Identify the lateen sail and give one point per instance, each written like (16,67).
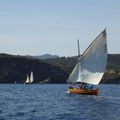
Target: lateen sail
(92,64)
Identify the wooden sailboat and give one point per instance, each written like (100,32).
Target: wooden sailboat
(90,67)
(29,80)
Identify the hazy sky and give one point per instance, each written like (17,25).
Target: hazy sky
(35,27)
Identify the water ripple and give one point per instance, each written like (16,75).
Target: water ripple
(51,102)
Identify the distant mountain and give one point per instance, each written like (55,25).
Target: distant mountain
(46,56)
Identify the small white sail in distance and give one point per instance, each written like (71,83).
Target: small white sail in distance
(31,77)
(27,79)
(91,65)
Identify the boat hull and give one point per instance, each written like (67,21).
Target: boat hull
(83,91)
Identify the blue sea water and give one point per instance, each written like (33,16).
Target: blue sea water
(51,102)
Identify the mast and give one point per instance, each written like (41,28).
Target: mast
(78,48)
(79,66)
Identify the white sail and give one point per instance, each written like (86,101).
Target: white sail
(74,77)
(31,77)
(27,79)
(92,64)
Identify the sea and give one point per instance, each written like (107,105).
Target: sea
(52,102)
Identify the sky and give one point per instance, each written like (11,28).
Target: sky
(36,27)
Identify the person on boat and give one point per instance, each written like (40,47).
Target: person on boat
(89,86)
(71,86)
(82,85)
(92,87)
(86,86)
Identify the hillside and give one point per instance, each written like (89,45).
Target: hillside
(13,69)
(112,74)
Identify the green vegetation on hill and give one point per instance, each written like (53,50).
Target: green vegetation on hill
(114,62)
(112,74)
(13,69)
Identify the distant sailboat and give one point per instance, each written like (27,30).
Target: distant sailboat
(90,67)
(31,77)
(29,80)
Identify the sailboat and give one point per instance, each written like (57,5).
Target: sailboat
(90,67)
(29,80)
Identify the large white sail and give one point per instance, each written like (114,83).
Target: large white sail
(93,62)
